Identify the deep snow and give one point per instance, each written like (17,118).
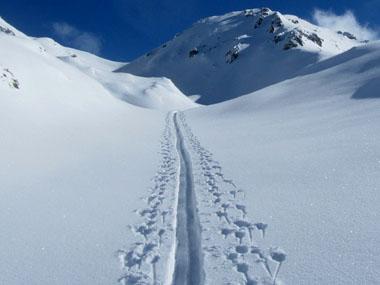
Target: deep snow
(284,177)
(74,161)
(307,151)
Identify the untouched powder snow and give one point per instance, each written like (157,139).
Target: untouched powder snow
(152,93)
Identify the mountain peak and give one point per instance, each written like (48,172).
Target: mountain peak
(252,49)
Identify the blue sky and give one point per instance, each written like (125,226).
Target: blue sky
(124,29)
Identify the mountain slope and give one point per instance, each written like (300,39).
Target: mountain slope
(307,151)
(223,57)
(74,159)
(95,190)
(153,93)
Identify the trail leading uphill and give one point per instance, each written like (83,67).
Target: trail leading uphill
(188,256)
(196,227)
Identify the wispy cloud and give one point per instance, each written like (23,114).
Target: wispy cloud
(76,38)
(346,22)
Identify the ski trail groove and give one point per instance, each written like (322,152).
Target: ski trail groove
(229,236)
(188,268)
(190,189)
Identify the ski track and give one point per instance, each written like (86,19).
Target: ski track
(196,228)
(188,260)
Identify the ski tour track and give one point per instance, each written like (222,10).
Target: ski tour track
(188,265)
(195,221)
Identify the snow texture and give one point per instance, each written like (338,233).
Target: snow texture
(223,57)
(113,178)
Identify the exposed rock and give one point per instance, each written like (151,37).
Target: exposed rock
(315,38)
(233,54)
(298,39)
(265,11)
(295,38)
(193,52)
(347,35)
(7,31)
(8,77)
(276,24)
(259,22)
(249,13)
(278,38)
(15,83)
(291,44)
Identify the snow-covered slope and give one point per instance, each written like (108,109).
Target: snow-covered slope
(223,57)
(95,190)
(73,159)
(153,93)
(307,153)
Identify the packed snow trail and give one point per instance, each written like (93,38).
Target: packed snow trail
(195,227)
(188,256)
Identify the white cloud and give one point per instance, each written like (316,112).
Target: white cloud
(64,30)
(76,38)
(346,22)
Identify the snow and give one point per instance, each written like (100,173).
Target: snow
(237,52)
(74,162)
(307,152)
(152,93)
(102,183)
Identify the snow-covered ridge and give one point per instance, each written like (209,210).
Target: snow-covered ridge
(153,93)
(288,31)
(9,30)
(223,57)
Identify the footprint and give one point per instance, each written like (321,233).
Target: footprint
(226,232)
(241,249)
(131,259)
(224,215)
(229,181)
(243,268)
(164,214)
(233,257)
(242,208)
(240,235)
(148,248)
(144,230)
(278,255)
(225,206)
(161,232)
(262,259)
(261,227)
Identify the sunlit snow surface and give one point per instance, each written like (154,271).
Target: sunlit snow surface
(223,57)
(83,168)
